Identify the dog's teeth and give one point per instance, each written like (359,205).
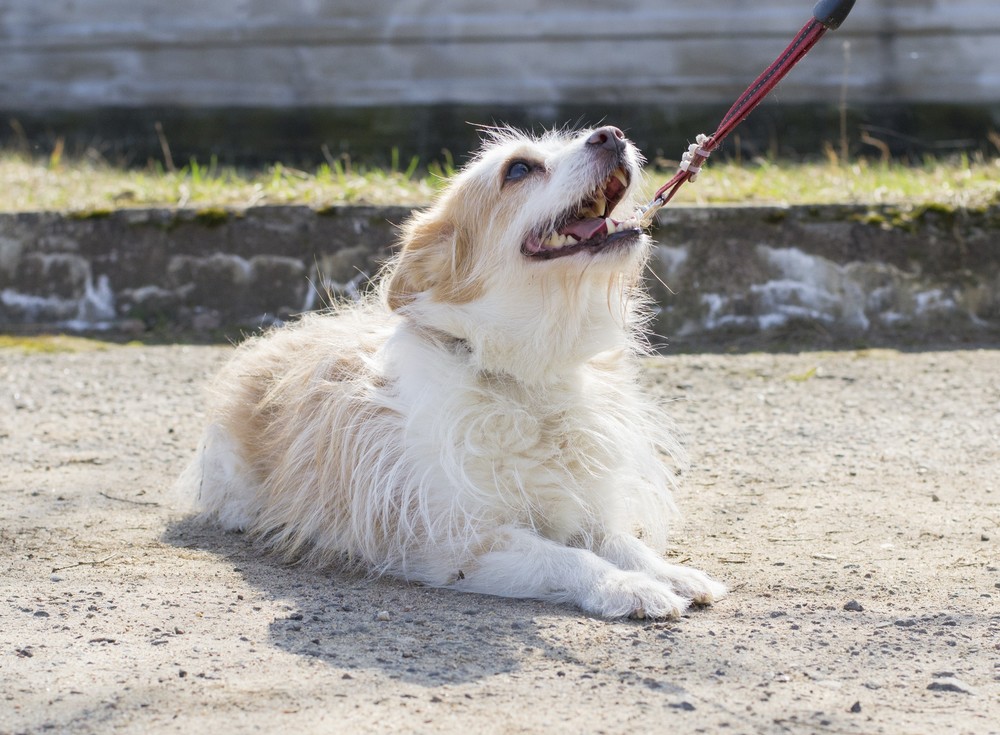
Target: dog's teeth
(600,204)
(620,175)
(555,241)
(610,225)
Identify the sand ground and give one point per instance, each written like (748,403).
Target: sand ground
(850,499)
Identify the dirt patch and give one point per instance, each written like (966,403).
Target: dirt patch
(849,499)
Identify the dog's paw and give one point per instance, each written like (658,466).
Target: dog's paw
(693,584)
(633,595)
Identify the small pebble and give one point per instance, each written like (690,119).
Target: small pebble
(55,578)
(856,707)
(950,684)
(853,606)
(382,616)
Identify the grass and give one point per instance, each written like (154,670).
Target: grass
(28,184)
(954,182)
(51,343)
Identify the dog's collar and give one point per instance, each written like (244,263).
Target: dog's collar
(441,337)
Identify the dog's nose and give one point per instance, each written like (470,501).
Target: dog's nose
(608,137)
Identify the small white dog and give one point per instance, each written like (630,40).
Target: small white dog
(477,422)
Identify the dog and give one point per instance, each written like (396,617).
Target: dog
(476,421)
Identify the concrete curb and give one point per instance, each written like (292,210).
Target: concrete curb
(844,272)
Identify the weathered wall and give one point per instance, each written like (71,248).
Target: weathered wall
(201,269)
(843,272)
(839,272)
(279,53)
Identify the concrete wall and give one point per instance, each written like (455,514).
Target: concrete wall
(78,54)
(842,273)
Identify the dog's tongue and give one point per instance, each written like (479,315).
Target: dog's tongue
(585,229)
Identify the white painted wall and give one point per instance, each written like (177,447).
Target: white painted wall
(72,54)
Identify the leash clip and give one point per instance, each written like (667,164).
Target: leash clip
(695,156)
(691,163)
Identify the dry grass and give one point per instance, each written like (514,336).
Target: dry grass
(58,184)
(28,185)
(50,343)
(954,182)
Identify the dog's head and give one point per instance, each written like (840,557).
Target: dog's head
(532,236)
(520,204)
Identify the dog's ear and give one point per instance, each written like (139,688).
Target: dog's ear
(435,258)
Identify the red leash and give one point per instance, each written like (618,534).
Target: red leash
(827,15)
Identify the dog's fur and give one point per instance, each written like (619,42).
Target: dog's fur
(475,422)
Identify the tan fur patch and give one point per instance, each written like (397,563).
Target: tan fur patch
(437,257)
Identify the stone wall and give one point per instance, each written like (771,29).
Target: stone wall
(846,273)
(854,273)
(200,269)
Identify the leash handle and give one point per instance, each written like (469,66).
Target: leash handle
(827,15)
(831,13)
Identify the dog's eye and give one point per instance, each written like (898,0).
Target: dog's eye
(517,171)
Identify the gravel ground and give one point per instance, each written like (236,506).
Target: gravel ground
(850,500)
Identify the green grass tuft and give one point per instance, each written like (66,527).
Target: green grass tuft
(93,189)
(51,343)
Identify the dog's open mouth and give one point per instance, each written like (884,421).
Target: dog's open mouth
(587,226)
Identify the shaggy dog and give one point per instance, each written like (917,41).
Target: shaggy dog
(475,423)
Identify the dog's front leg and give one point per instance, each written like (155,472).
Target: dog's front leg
(628,552)
(520,563)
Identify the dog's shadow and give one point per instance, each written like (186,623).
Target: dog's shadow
(409,632)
